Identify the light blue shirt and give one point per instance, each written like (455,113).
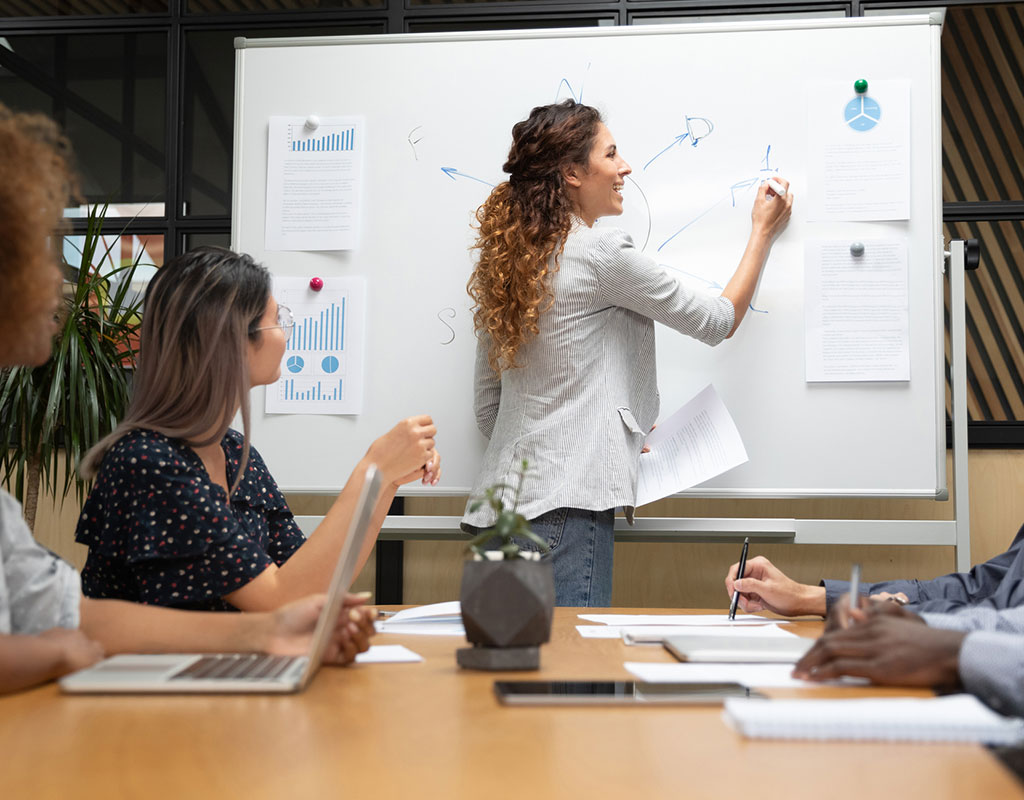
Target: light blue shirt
(38,590)
(992,655)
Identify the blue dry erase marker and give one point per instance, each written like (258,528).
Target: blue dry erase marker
(777,187)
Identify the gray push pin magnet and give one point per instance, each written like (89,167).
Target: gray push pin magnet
(857,249)
(312,122)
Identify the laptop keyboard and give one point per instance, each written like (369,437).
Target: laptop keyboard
(251,666)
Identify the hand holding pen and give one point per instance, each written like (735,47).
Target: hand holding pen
(739,573)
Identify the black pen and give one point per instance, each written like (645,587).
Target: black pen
(739,574)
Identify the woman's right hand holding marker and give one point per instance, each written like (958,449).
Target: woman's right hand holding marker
(772,209)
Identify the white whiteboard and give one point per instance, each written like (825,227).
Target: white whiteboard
(449,101)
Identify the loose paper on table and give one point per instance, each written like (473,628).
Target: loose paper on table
(322,368)
(654,634)
(388,654)
(858,165)
(314,183)
(685,620)
(857,312)
(694,445)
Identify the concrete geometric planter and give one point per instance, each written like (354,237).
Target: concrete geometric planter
(507,607)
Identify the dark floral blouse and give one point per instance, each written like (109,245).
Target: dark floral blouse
(160,532)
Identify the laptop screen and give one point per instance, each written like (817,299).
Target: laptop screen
(358,530)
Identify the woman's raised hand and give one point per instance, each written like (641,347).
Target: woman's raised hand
(771,211)
(406,452)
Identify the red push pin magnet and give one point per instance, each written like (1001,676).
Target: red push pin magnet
(316,284)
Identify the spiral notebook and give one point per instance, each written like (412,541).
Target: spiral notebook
(956,718)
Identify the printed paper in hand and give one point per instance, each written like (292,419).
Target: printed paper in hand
(695,444)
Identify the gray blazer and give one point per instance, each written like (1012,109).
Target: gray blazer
(587,394)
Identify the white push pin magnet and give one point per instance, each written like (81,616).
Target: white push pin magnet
(857,249)
(312,122)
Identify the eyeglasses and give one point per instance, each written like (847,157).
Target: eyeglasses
(285,321)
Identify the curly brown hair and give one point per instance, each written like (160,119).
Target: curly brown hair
(36,181)
(523,224)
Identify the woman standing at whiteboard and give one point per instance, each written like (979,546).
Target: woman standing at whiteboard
(564,313)
(183,512)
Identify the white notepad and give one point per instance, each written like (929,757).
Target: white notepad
(957,718)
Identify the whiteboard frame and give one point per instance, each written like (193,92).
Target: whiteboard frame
(933,19)
(954,532)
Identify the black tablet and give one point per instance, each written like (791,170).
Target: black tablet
(617,693)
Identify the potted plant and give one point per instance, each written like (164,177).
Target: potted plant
(508,594)
(57,411)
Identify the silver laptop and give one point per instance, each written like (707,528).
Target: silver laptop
(237,672)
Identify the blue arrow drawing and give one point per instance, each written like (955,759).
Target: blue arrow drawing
(451,172)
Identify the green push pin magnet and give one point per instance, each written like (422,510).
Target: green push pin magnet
(860,86)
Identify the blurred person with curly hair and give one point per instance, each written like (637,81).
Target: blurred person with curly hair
(564,314)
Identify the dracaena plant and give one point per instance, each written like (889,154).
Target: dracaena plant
(510,524)
(54,413)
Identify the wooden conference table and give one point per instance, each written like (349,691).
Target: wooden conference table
(430,730)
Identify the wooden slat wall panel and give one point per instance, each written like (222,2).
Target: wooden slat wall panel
(995,310)
(983,154)
(983,103)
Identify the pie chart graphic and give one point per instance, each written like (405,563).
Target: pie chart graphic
(329,364)
(862,113)
(295,363)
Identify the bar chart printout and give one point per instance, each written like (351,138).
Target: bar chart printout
(314,180)
(322,368)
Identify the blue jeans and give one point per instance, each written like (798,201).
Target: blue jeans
(582,545)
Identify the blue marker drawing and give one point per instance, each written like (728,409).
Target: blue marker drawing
(451,172)
(565,82)
(745,184)
(767,164)
(647,205)
(688,224)
(676,142)
(697,128)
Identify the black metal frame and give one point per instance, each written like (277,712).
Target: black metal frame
(401,16)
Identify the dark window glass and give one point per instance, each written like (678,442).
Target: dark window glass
(115,251)
(995,320)
(248,6)
(414,3)
(108,92)
(193,240)
(443,25)
(63,8)
(982,103)
(209,104)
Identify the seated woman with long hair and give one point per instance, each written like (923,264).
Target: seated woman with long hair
(184,512)
(47,628)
